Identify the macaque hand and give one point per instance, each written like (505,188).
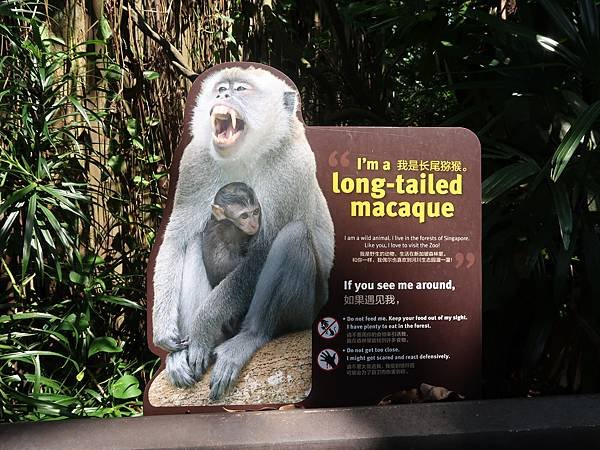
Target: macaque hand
(172,341)
(178,370)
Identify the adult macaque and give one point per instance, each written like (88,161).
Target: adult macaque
(234,221)
(244,128)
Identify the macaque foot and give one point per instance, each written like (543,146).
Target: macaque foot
(198,359)
(178,370)
(231,356)
(224,375)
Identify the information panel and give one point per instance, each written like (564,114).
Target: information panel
(405,289)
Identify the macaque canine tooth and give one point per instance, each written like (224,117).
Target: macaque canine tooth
(233,119)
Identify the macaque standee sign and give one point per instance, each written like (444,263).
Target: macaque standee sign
(315,266)
(405,288)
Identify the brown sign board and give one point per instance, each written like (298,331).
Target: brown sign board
(402,306)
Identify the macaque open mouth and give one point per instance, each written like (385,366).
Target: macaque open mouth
(227,125)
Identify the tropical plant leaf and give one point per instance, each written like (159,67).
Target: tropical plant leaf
(564,23)
(125,387)
(572,139)
(589,13)
(562,206)
(506,178)
(104,344)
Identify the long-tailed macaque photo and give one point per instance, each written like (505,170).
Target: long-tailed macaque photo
(273,279)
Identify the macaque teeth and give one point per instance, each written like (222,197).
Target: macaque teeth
(224,120)
(222,112)
(220,109)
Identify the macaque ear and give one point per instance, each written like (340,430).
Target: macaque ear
(218,212)
(289,101)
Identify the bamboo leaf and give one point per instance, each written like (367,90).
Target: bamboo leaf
(58,229)
(27,237)
(77,104)
(48,238)
(572,139)
(113,72)
(119,301)
(64,203)
(58,194)
(26,356)
(59,399)
(27,316)
(39,250)
(7,226)
(16,197)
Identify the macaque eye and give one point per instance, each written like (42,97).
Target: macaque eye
(256,212)
(221,88)
(241,87)
(244,216)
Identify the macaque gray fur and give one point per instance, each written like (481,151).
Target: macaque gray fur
(234,221)
(245,129)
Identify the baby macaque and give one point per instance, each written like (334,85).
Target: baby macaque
(234,221)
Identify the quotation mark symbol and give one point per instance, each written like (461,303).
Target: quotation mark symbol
(343,160)
(460,259)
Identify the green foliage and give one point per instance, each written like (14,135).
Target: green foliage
(72,321)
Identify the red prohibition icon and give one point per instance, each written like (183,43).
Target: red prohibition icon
(328,327)
(328,359)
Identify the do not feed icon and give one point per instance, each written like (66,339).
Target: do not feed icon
(328,327)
